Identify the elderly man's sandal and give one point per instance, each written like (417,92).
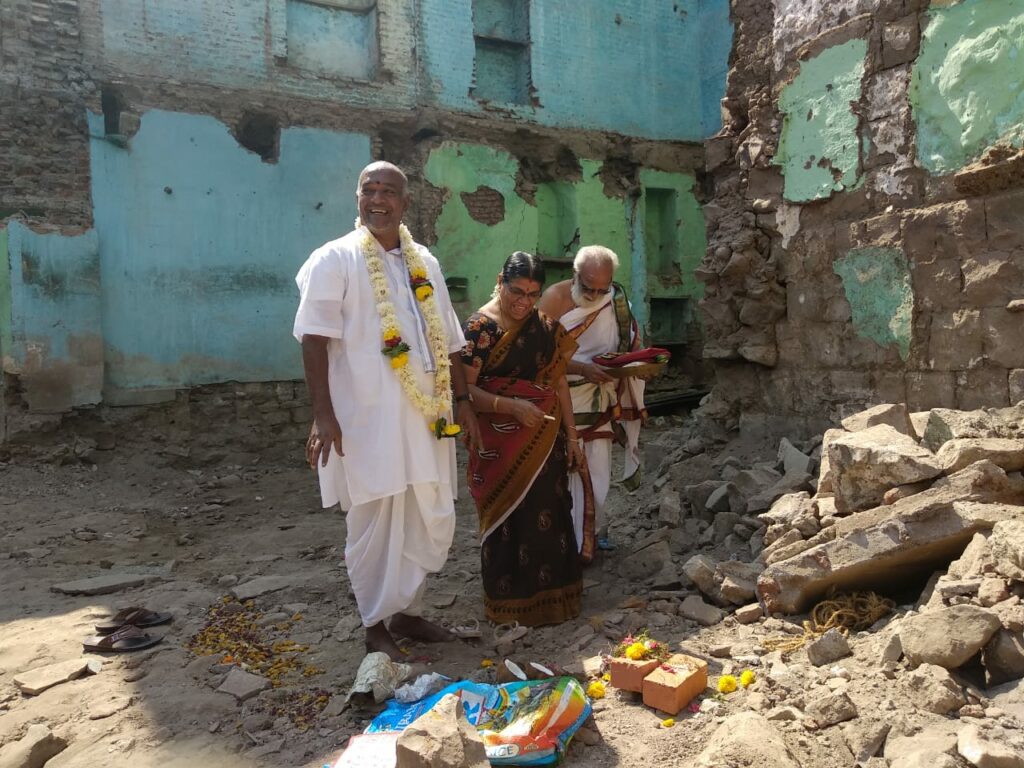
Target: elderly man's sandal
(127,638)
(139,617)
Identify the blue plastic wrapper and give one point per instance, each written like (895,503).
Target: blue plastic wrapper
(521,723)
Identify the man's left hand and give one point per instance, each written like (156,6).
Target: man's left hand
(466,418)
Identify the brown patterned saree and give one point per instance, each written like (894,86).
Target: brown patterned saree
(519,477)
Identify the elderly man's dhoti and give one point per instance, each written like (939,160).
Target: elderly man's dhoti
(597,407)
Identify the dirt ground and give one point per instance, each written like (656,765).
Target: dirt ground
(198,530)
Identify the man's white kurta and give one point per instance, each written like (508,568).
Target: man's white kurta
(389,448)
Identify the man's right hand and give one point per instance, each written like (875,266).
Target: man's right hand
(593,373)
(324,433)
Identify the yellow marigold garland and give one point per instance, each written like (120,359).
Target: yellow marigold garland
(435,406)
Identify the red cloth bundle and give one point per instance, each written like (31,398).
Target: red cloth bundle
(648,355)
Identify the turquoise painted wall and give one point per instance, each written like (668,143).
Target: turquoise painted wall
(878,286)
(6,340)
(967,86)
(200,241)
(569,214)
(654,70)
(52,339)
(229,42)
(819,150)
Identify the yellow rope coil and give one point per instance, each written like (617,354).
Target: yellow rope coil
(853,612)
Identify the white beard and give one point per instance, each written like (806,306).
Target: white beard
(580,300)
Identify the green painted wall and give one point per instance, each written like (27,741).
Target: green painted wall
(667,248)
(819,150)
(967,86)
(566,216)
(877,285)
(5,300)
(469,249)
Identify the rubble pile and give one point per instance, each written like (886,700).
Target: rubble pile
(922,516)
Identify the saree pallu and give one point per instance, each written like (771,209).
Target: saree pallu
(519,480)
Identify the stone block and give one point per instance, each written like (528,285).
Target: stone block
(946,424)
(895,415)
(900,42)
(982,751)
(870,547)
(1015,383)
(990,280)
(748,614)
(1003,658)
(794,460)
(1002,219)
(825,469)
(243,685)
(1003,331)
(697,610)
(675,683)
(832,709)
(868,463)
(737,581)
(982,388)
(947,637)
(101,585)
(958,453)
(956,339)
(828,648)
(629,675)
(931,389)
(1005,549)
(35,681)
(697,496)
(700,569)
(442,737)
(33,750)
(670,509)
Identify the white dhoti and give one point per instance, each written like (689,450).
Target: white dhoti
(396,480)
(392,544)
(597,406)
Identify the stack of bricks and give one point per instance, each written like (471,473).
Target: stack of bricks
(667,685)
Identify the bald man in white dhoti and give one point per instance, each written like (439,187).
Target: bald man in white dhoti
(595,311)
(378,337)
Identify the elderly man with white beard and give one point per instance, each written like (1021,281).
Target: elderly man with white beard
(596,312)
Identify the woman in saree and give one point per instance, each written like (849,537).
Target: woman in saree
(515,360)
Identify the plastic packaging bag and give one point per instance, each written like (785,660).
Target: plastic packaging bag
(522,723)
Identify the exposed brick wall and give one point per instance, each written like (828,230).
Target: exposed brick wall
(44,158)
(791,351)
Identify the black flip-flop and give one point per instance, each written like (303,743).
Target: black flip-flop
(139,617)
(127,638)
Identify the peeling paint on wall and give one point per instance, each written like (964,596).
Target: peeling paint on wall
(5,304)
(53,342)
(200,241)
(878,287)
(472,247)
(820,150)
(468,249)
(967,87)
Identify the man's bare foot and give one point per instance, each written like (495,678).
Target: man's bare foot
(378,639)
(418,628)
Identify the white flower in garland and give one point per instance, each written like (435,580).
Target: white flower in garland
(434,407)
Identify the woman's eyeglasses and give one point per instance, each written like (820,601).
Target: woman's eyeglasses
(518,293)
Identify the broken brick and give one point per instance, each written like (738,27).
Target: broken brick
(674,684)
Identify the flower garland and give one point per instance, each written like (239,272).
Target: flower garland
(397,351)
